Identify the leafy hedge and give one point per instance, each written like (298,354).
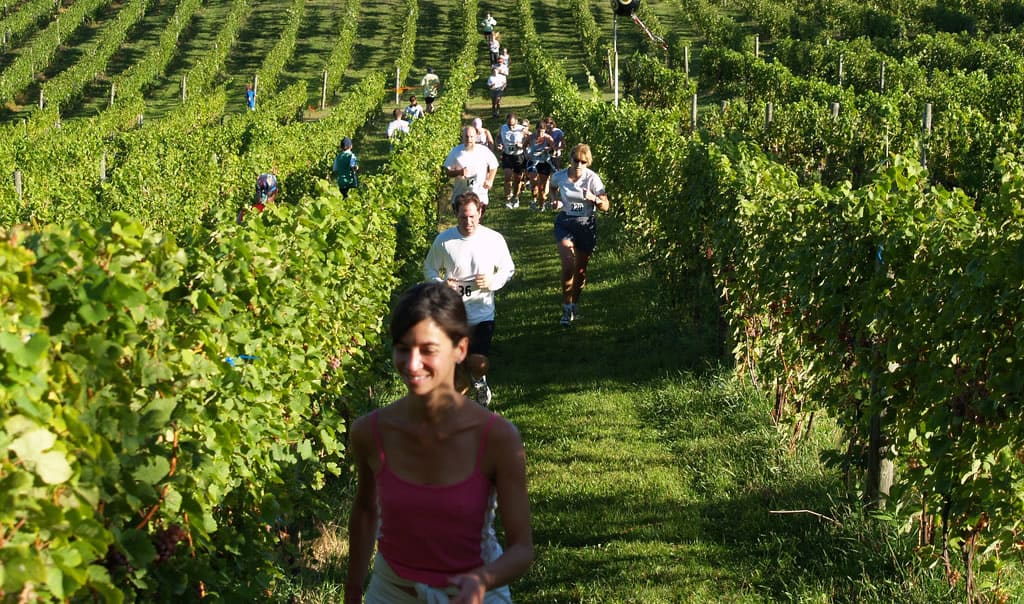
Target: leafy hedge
(165,408)
(896,300)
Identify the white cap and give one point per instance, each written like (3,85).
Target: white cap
(477,122)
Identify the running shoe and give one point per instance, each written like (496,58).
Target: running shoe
(515,204)
(482,392)
(510,204)
(533,205)
(568,314)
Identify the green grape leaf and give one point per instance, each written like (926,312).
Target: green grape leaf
(152,471)
(53,467)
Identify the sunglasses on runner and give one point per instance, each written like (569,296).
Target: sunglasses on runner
(577,160)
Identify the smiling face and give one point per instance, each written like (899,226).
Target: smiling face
(426,357)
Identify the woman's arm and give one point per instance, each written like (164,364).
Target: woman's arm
(509,457)
(363,519)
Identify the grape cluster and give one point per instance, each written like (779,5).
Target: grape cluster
(115,561)
(166,540)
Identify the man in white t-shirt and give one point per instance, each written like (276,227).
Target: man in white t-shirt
(472,167)
(501,67)
(397,126)
(496,84)
(512,144)
(474,261)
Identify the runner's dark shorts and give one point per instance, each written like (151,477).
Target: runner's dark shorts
(581,230)
(480,339)
(516,163)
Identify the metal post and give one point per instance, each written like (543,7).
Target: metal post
(112,89)
(686,60)
(18,184)
(725,106)
(398,85)
(926,130)
(40,98)
(757,45)
(835,111)
(881,78)
(103,167)
(693,113)
(768,117)
(840,70)
(184,88)
(323,93)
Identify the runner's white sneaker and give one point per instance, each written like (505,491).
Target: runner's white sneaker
(510,205)
(568,315)
(482,392)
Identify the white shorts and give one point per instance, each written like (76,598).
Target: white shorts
(388,588)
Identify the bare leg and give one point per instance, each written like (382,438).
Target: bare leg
(478,365)
(567,254)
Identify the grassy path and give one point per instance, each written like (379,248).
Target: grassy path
(614,511)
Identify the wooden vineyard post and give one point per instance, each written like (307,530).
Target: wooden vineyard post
(725,106)
(881,78)
(398,85)
(880,465)
(112,91)
(256,86)
(768,117)
(686,60)
(611,73)
(40,98)
(103,167)
(835,111)
(18,186)
(184,88)
(757,46)
(840,70)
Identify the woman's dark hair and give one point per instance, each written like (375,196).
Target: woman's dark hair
(430,300)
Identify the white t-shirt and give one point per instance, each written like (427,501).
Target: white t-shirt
(412,112)
(511,139)
(572,193)
(502,69)
(397,126)
(463,258)
(497,81)
(480,161)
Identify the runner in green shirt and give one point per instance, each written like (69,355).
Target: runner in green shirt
(346,168)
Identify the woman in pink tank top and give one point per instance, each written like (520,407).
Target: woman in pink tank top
(432,466)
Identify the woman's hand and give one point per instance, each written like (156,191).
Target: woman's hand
(471,589)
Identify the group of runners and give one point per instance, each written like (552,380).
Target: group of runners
(435,465)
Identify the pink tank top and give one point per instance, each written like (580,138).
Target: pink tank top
(428,533)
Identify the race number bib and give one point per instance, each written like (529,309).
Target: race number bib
(465,288)
(577,207)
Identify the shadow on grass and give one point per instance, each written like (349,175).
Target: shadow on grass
(610,544)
